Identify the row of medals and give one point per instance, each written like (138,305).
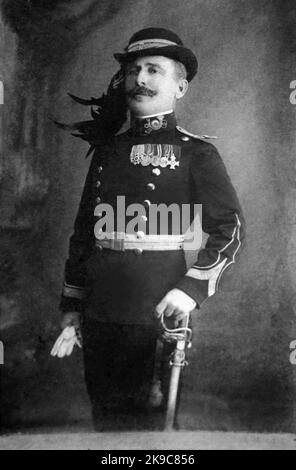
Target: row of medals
(154,154)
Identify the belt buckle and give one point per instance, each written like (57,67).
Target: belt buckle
(117,244)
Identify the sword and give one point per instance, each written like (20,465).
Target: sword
(181,336)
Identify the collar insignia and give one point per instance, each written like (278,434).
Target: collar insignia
(152,124)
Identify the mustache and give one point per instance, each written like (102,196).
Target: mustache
(141,90)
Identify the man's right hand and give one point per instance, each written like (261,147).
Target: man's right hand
(71,319)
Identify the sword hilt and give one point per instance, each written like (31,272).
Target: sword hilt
(181,333)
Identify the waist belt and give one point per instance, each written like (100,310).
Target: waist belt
(139,242)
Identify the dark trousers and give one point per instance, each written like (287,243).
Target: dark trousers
(119,362)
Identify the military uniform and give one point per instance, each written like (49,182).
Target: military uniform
(117,289)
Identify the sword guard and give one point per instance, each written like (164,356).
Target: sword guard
(178,359)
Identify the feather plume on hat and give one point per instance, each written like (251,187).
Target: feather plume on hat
(107,119)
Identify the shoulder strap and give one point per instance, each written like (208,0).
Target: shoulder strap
(195,136)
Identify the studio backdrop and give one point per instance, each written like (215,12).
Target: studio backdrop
(240,375)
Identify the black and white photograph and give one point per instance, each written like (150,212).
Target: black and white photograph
(147,227)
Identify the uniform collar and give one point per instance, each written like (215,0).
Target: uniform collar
(150,125)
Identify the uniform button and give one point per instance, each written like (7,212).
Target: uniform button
(140,234)
(100,169)
(185,138)
(138,251)
(147,202)
(98,200)
(151,186)
(143,217)
(98,184)
(156,171)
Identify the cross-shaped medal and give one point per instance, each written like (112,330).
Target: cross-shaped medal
(173,162)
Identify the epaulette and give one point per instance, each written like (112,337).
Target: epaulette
(195,136)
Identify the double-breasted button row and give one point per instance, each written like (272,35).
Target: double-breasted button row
(98,185)
(140,234)
(156,171)
(146,202)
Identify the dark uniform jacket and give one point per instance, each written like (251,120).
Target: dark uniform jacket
(155,162)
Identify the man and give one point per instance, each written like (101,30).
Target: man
(118,281)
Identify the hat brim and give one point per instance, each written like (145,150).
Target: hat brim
(179,53)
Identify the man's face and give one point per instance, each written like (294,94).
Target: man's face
(152,85)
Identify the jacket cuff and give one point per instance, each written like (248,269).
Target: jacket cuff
(72,298)
(197,289)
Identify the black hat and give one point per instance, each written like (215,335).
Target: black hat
(159,41)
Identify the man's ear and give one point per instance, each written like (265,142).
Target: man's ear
(182,88)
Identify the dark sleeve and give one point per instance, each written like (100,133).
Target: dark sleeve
(80,246)
(222,220)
